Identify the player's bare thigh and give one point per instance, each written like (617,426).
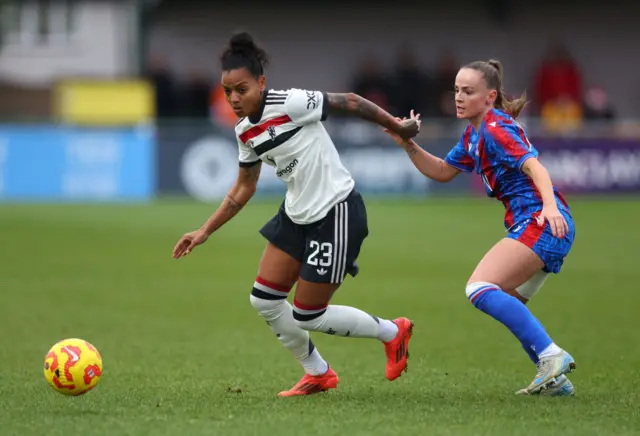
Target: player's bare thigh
(314,294)
(278,267)
(507,264)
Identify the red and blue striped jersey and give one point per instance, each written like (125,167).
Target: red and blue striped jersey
(497,152)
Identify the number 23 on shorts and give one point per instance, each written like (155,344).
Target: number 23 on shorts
(322,250)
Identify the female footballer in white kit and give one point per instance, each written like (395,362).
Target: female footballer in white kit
(316,236)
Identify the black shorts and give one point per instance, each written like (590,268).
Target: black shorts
(327,249)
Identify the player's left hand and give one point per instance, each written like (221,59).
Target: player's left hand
(551,214)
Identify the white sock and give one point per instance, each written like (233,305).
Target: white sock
(279,316)
(314,364)
(388,330)
(345,321)
(551,350)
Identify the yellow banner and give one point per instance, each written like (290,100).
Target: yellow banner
(104,102)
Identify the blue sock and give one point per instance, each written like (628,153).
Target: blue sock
(532,354)
(510,311)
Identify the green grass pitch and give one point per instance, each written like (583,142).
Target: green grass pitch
(185,354)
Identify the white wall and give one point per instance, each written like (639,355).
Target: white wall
(101,47)
(320,46)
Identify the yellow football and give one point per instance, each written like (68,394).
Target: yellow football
(73,366)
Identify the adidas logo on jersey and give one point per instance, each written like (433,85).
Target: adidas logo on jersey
(288,169)
(321,271)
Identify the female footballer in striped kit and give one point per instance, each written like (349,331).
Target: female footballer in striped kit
(540,228)
(316,236)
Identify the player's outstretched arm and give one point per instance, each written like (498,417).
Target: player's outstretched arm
(355,105)
(239,195)
(429,165)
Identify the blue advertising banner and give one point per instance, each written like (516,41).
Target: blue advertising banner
(53,163)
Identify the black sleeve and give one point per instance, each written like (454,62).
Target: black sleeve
(325,107)
(249,164)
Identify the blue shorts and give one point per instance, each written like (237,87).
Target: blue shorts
(550,249)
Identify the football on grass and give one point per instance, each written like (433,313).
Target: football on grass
(73,366)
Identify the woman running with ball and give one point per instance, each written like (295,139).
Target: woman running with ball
(316,236)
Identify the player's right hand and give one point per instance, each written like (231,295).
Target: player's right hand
(188,242)
(409,127)
(396,137)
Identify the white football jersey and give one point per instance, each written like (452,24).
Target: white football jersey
(288,134)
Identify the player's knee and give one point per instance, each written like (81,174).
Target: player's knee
(309,318)
(260,304)
(475,290)
(309,324)
(473,287)
(268,309)
(267,298)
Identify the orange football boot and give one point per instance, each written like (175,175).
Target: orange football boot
(397,350)
(312,384)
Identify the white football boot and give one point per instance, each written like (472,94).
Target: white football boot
(562,387)
(549,371)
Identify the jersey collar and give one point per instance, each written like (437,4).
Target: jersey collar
(490,116)
(255,119)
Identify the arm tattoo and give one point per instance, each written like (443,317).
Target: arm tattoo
(410,149)
(247,176)
(232,205)
(227,210)
(353,104)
